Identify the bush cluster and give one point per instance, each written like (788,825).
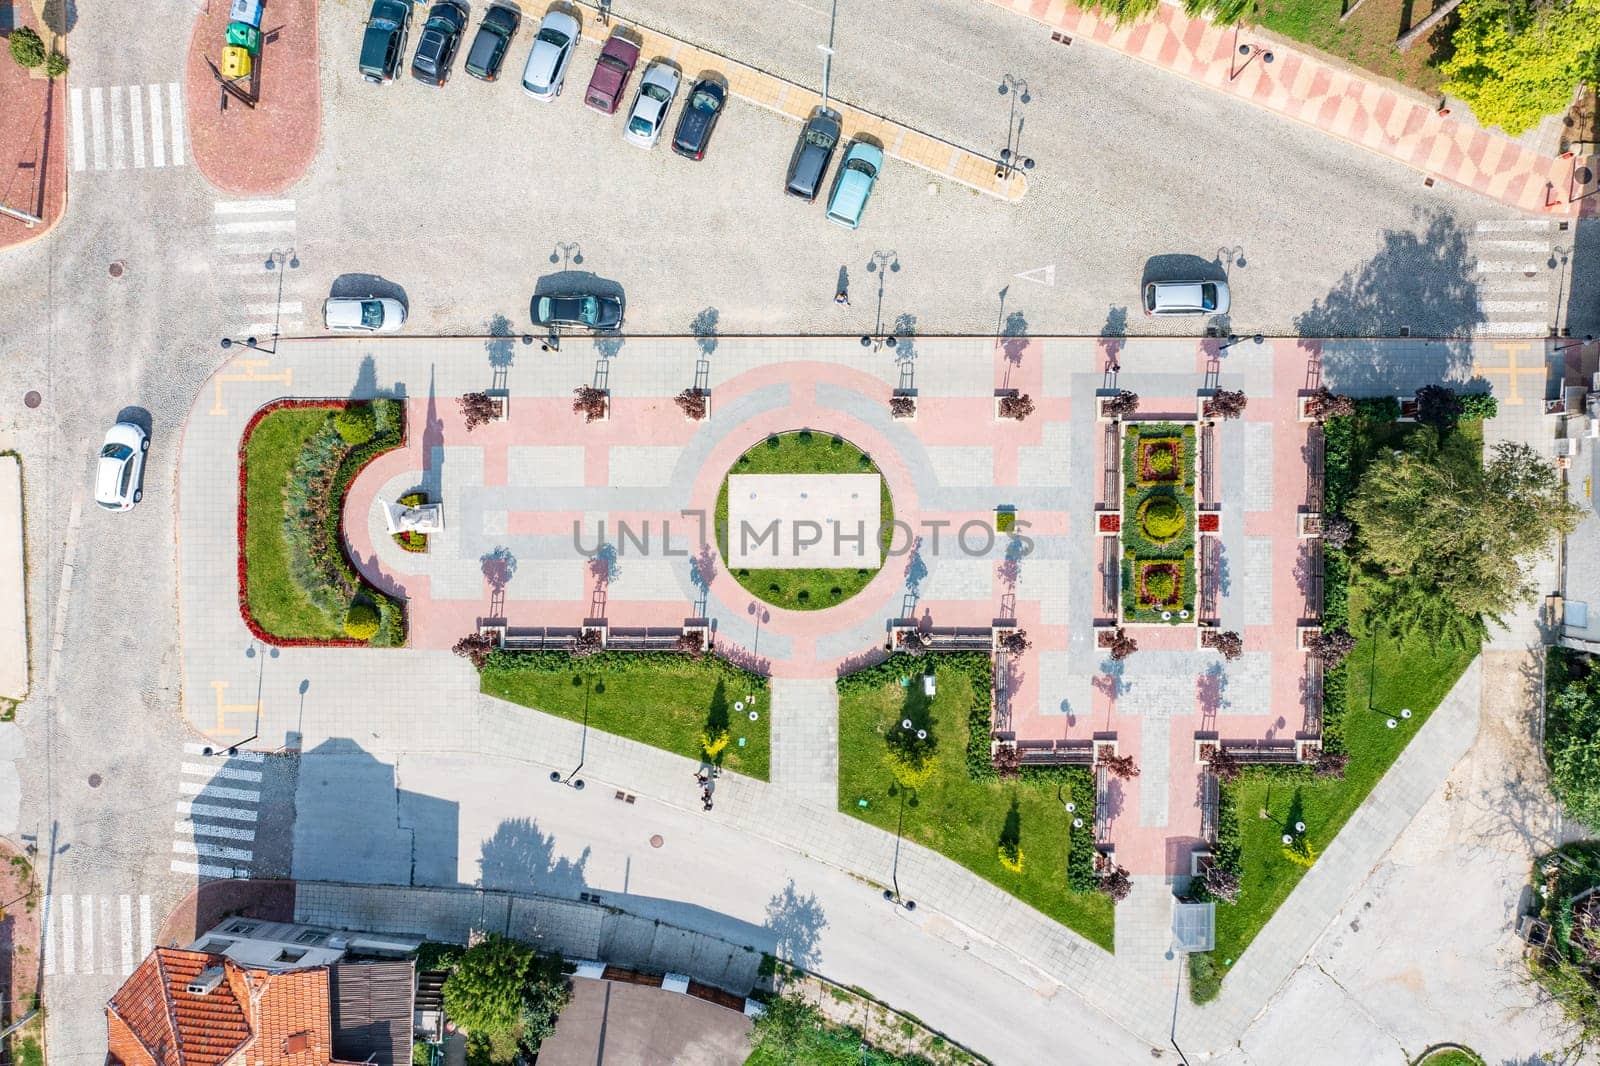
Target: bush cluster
(356,423)
(27,48)
(361,621)
(547,661)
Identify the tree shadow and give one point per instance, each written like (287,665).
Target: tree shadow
(1014,337)
(521,858)
(796,923)
(499,567)
(1224,574)
(1011,831)
(59,16)
(1209,690)
(916,569)
(905,331)
(1423,282)
(604,568)
(704,327)
(1109,682)
(1112,335)
(609,345)
(1296,813)
(911,737)
(502,349)
(703,568)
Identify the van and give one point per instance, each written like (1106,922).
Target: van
(1186,298)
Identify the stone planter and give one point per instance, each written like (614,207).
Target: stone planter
(1310,524)
(1305,635)
(999,396)
(498,632)
(502,404)
(1303,407)
(903,405)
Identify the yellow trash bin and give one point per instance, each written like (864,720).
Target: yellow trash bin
(235,62)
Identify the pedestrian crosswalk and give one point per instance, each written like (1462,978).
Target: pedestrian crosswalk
(127,127)
(258,268)
(1515,281)
(89,934)
(214,831)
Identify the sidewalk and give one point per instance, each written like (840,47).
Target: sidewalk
(1341,104)
(33,144)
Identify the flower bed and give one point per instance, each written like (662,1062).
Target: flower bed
(411,540)
(1158,523)
(294,471)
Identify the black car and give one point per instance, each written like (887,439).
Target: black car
(813,153)
(489,47)
(436,48)
(698,118)
(586,310)
(383,44)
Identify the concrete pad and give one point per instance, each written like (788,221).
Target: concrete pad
(643,466)
(839,512)
(13,585)
(11,752)
(553,466)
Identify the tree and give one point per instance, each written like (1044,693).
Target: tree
(26,47)
(1018,407)
(1123,404)
(1015,642)
(475,647)
(1438,406)
(1121,645)
(1226,403)
(589,402)
(484,994)
(1223,765)
(478,409)
(1223,883)
(1337,531)
(544,994)
(694,403)
(1331,646)
(1120,767)
(1117,884)
(1433,517)
(1324,404)
(1572,739)
(1516,61)
(55,65)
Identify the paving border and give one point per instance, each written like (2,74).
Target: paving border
(792,100)
(1306,88)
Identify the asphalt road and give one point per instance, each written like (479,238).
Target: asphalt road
(460,196)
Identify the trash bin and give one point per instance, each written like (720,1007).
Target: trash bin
(247,12)
(245,36)
(235,62)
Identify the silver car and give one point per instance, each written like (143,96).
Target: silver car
(119,474)
(363,314)
(553,46)
(648,116)
(1186,298)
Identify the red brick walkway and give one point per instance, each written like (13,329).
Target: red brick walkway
(1303,87)
(264,151)
(33,147)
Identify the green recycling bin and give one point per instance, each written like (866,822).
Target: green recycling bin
(243,35)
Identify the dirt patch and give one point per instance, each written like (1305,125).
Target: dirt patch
(205,907)
(1367,37)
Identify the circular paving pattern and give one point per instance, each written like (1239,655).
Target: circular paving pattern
(805,452)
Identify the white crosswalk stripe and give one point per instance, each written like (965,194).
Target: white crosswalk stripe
(215,832)
(247,236)
(1515,284)
(120,123)
(88,934)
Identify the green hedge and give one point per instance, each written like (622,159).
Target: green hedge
(390,420)
(621,662)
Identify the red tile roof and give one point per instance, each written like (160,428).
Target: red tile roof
(153,1020)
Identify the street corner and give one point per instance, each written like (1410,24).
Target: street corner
(33,150)
(254,106)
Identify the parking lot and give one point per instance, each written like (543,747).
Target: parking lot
(460,196)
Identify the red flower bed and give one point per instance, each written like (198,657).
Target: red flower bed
(241,529)
(1150,570)
(1170,450)
(1110,522)
(1210,521)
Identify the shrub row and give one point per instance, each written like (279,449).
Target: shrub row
(389,416)
(547,661)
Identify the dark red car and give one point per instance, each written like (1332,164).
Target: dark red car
(610,75)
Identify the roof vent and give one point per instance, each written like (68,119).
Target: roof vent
(206,981)
(296,1042)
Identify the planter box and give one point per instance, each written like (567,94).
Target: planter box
(1209,522)
(1104,747)
(1199,862)
(1307,750)
(1108,523)
(1304,634)
(502,399)
(1408,411)
(498,632)
(1303,406)
(1310,524)
(1100,412)
(704,418)
(1005,518)
(903,394)
(1200,405)
(1204,745)
(999,395)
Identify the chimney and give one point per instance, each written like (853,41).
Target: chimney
(206,981)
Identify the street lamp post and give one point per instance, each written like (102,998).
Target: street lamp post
(1011,156)
(881,264)
(1250,51)
(252,652)
(588,684)
(1587,339)
(827,52)
(1235,339)
(893,896)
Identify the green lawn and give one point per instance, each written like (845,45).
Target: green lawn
(804,452)
(278,603)
(1366,38)
(664,699)
(1450,1056)
(955,815)
(1408,674)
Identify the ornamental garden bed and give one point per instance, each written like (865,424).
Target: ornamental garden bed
(804,452)
(1158,523)
(685,704)
(297,584)
(411,540)
(955,803)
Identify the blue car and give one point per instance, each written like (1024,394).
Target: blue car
(853,183)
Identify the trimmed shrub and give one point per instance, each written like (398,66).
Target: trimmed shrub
(1162,517)
(1479,405)
(56,65)
(361,621)
(1159,584)
(357,424)
(26,47)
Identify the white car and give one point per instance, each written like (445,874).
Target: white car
(553,46)
(363,314)
(119,475)
(648,116)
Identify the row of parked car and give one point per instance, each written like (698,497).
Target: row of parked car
(383,50)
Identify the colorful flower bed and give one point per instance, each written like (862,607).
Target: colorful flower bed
(1158,523)
(411,540)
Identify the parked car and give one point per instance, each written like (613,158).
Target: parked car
(489,47)
(363,314)
(588,311)
(384,41)
(812,154)
(611,72)
(119,476)
(546,69)
(648,116)
(858,173)
(1186,298)
(436,47)
(698,119)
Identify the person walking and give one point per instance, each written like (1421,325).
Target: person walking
(842,298)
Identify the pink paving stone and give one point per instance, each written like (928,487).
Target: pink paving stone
(1170,47)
